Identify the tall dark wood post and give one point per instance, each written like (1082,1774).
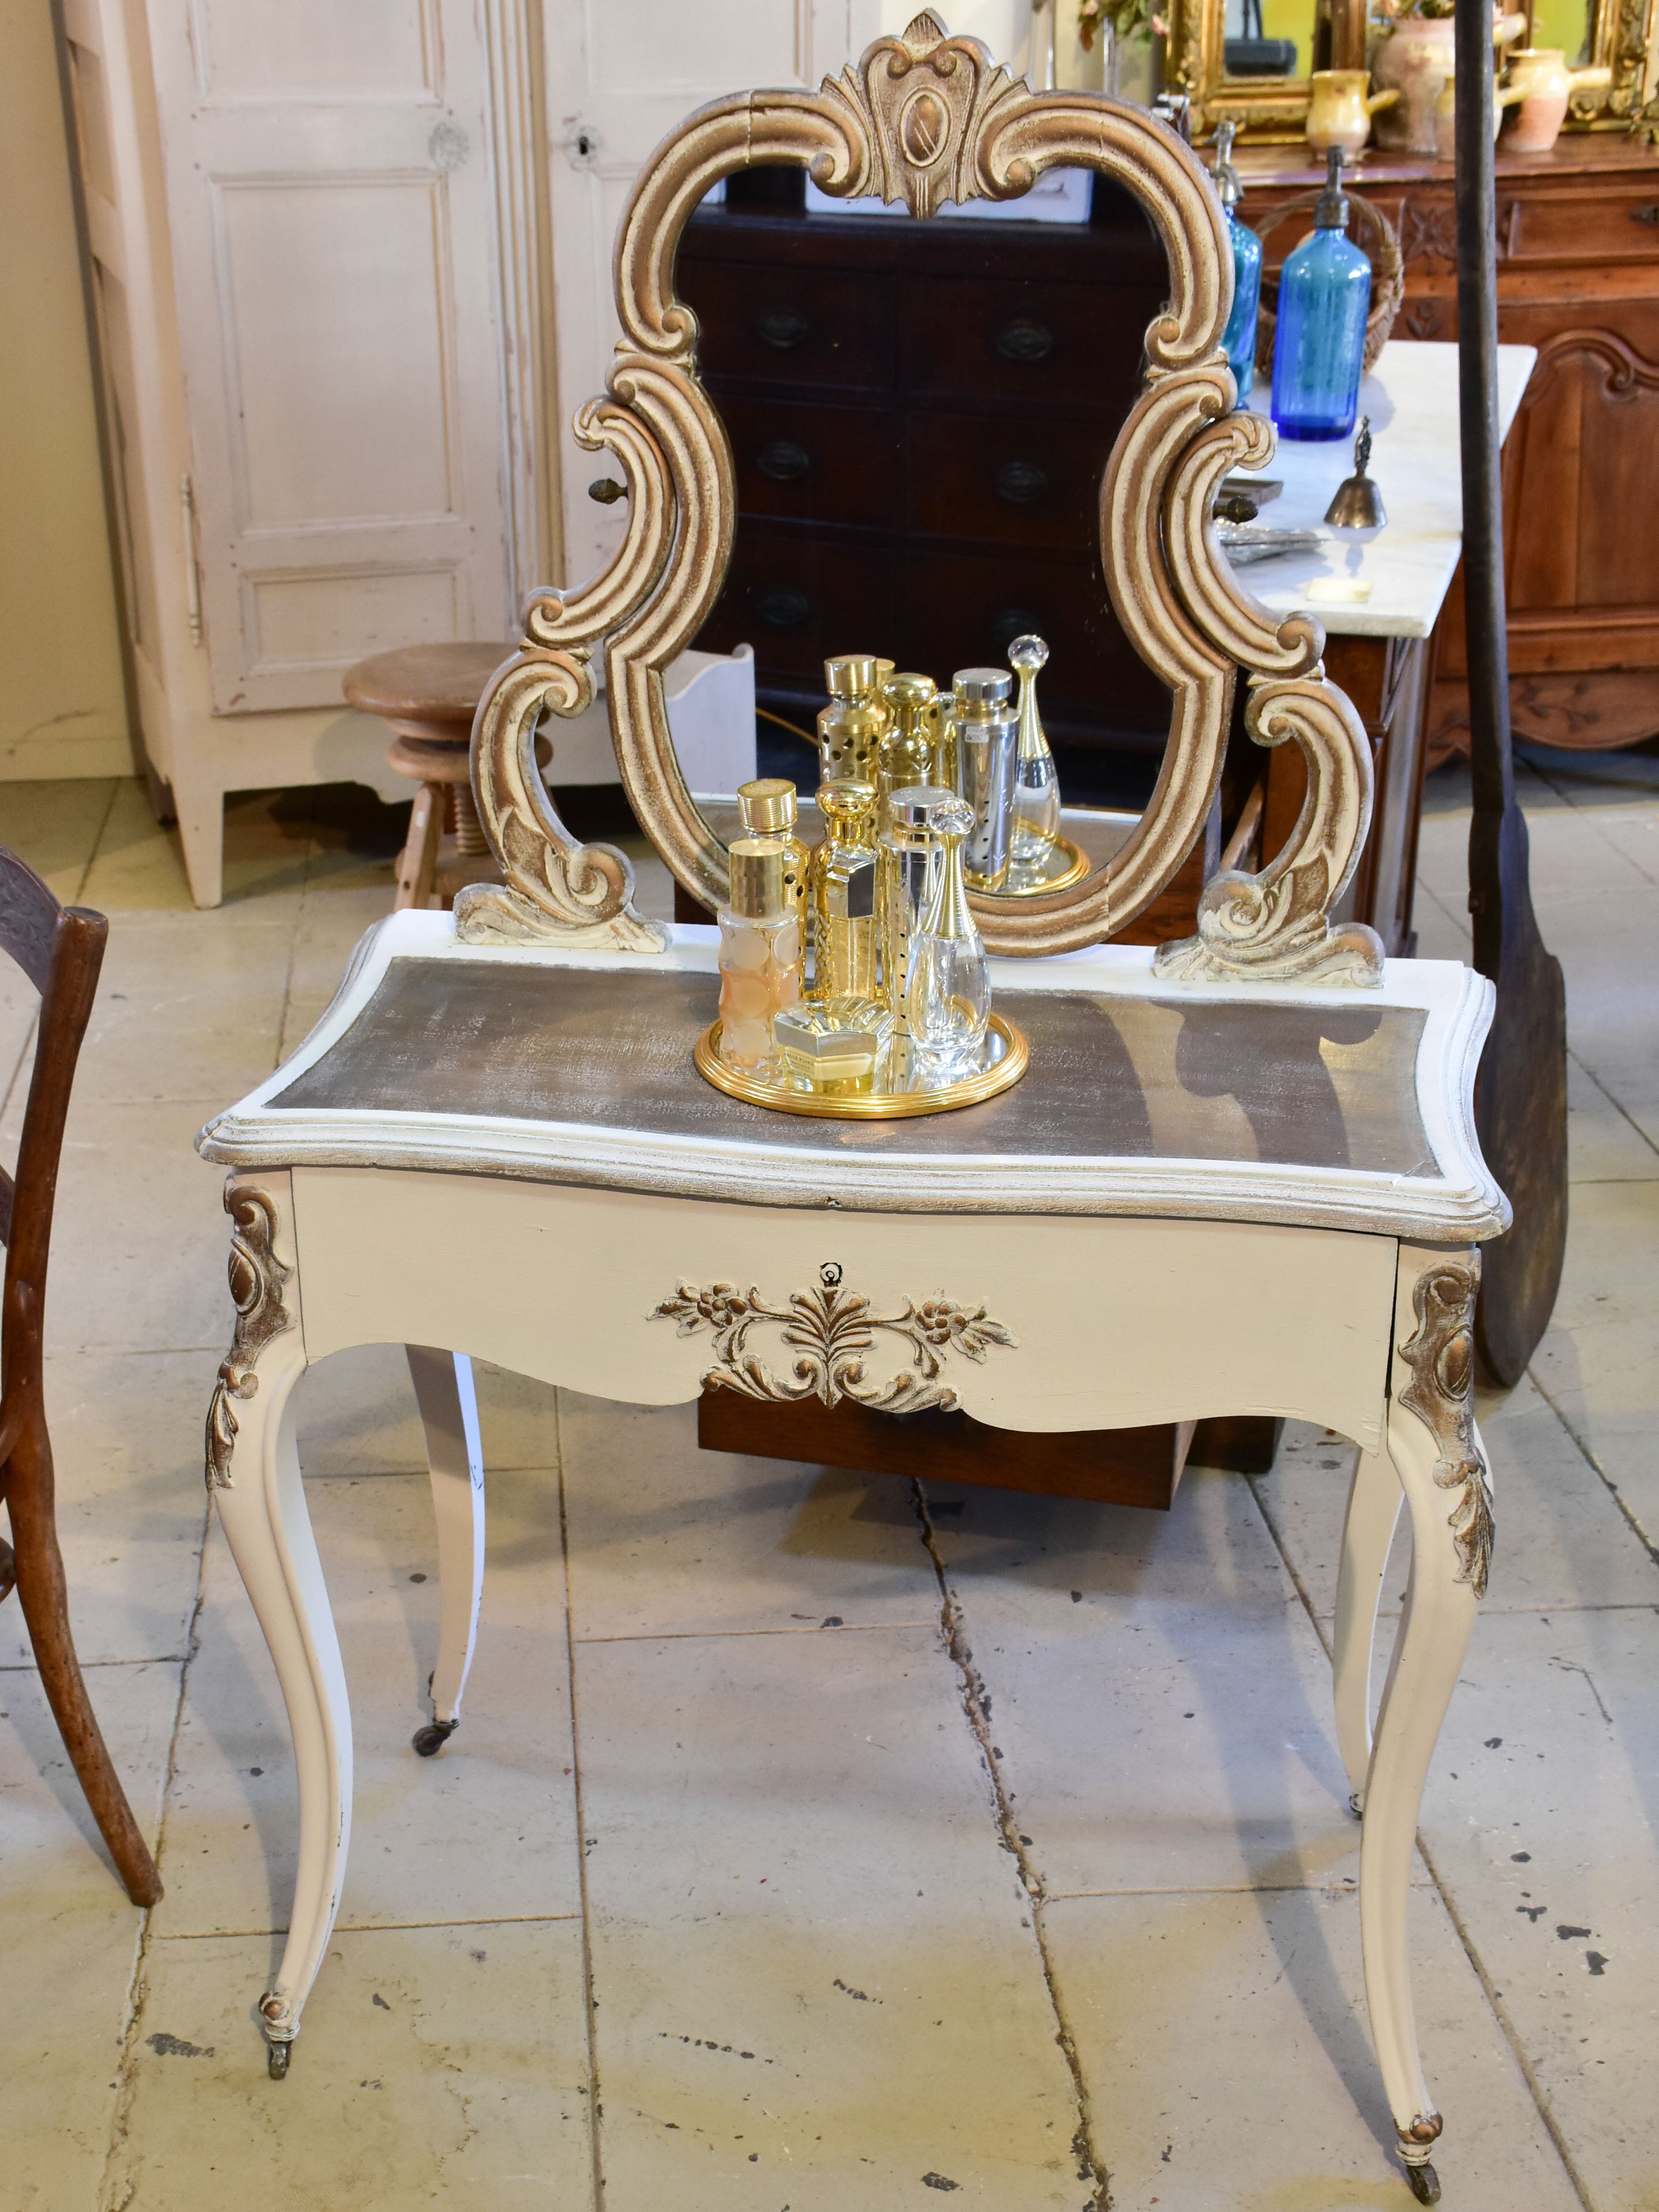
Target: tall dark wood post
(1521,1099)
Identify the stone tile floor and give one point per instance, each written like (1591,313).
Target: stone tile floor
(812,1844)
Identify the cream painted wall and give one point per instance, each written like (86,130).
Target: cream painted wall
(62,706)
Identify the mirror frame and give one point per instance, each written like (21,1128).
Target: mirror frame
(1272,110)
(1269,111)
(924,118)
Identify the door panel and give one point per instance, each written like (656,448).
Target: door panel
(331,214)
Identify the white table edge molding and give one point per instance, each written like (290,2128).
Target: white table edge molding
(1461,1205)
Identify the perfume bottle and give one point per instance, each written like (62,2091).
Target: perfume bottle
(904,880)
(844,958)
(1036,786)
(853,723)
(1324,296)
(770,806)
(948,987)
(833,1050)
(905,756)
(986,741)
(759,954)
(1239,336)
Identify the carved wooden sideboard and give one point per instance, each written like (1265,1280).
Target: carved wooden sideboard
(1578,277)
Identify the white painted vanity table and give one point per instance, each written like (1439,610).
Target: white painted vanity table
(1240,1176)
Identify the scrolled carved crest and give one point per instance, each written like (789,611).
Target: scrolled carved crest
(257,1280)
(924,118)
(829,1333)
(1441,1356)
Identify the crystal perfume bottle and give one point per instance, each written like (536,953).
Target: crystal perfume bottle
(908,850)
(844,958)
(770,807)
(986,743)
(948,987)
(1324,296)
(759,954)
(1037,785)
(1239,336)
(857,719)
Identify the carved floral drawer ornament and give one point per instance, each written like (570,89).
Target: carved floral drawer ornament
(921,119)
(827,1334)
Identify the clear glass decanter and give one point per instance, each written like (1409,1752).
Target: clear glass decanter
(1239,336)
(1037,785)
(948,992)
(1319,345)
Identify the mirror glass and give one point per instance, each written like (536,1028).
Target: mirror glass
(1272,38)
(919,415)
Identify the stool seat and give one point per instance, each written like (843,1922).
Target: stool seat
(428,693)
(427,690)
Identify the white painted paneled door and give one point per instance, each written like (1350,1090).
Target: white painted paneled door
(621,74)
(328,172)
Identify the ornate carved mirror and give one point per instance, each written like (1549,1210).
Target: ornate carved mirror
(921,120)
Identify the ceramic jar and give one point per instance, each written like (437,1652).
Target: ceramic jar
(1542,85)
(1340,108)
(1445,114)
(1416,58)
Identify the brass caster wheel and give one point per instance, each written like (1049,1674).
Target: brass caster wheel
(430,1740)
(276,2058)
(1425,2183)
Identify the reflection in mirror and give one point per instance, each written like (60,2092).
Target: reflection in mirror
(1270,38)
(919,415)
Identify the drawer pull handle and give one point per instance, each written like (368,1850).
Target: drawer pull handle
(1024,340)
(1648,214)
(1020,482)
(784,328)
(607,491)
(780,606)
(783,460)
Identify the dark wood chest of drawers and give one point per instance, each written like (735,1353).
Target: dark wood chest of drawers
(1578,277)
(920,416)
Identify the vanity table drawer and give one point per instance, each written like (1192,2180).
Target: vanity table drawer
(780,326)
(1006,481)
(984,338)
(810,462)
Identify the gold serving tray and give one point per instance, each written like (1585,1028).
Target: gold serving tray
(1007,1057)
(1067,864)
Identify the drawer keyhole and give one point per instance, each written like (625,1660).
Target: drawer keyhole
(784,328)
(1023,341)
(780,606)
(783,460)
(1020,482)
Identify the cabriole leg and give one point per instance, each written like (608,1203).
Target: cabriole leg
(1436,1451)
(1367,1534)
(449,1414)
(254,1471)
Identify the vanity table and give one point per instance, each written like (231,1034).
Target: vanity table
(1238,1175)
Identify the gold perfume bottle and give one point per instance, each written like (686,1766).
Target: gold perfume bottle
(833,1050)
(905,756)
(844,959)
(770,807)
(1036,786)
(759,954)
(853,723)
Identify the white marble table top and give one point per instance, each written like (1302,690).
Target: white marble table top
(1411,398)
